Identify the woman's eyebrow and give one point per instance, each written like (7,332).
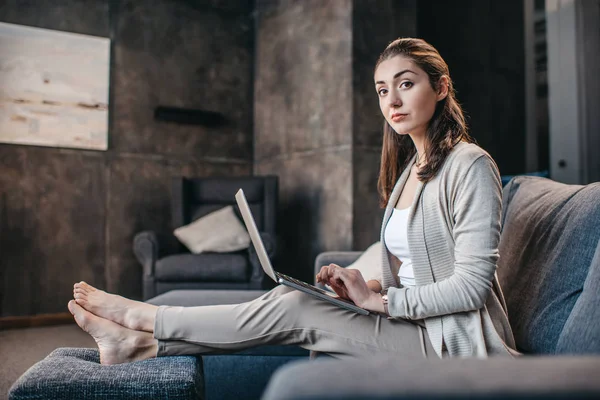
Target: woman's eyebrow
(397,75)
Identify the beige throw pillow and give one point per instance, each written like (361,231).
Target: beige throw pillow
(369,263)
(220,231)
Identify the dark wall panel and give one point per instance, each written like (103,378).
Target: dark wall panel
(375,23)
(483,43)
(169,54)
(52,226)
(70,215)
(366,224)
(303,76)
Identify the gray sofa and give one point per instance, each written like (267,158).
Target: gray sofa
(549,270)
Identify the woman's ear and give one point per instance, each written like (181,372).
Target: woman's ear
(442,91)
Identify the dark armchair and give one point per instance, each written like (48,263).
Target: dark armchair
(193,198)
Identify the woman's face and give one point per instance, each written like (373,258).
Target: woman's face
(406,97)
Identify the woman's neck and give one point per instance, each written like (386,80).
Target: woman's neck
(419,142)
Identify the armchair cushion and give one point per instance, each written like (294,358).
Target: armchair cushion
(211,267)
(220,232)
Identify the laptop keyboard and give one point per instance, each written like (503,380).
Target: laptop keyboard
(312,287)
(300,283)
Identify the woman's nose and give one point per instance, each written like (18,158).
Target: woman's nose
(394,99)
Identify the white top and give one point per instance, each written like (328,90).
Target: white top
(396,240)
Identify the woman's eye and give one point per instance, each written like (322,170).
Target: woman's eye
(406,84)
(381,92)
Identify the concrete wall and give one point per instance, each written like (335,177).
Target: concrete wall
(317,119)
(70,215)
(375,23)
(303,123)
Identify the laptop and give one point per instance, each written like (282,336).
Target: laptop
(282,278)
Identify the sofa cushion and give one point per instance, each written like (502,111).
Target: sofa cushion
(581,334)
(549,238)
(394,378)
(203,267)
(250,371)
(72,373)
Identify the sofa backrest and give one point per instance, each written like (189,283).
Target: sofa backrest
(549,267)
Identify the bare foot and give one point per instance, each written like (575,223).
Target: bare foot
(129,313)
(117,344)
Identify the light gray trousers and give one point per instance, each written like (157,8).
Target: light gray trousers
(286,316)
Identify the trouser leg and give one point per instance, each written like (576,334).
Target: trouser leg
(284,317)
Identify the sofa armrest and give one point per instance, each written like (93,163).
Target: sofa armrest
(341,258)
(146,248)
(270,243)
(390,377)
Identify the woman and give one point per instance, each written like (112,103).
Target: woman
(441,226)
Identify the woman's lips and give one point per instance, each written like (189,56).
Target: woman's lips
(398,117)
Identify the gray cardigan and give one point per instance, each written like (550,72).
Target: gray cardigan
(453,236)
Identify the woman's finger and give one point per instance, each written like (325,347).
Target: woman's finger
(354,285)
(321,275)
(332,269)
(342,278)
(324,273)
(339,288)
(339,274)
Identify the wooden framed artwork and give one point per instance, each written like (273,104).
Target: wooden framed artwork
(53,88)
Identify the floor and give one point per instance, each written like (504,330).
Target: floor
(21,348)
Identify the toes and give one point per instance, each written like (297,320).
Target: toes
(74,307)
(81,315)
(83,287)
(87,287)
(70,306)
(77,312)
(82,302)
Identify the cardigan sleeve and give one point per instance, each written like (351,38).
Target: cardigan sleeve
(477,208)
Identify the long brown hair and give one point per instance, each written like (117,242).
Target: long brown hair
(446,128)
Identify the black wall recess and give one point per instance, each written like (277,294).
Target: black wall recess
(189,116)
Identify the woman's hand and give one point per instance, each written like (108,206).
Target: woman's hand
(349,284)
